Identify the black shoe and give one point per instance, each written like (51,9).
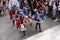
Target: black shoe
(53,18)
(0,15)
(40,31)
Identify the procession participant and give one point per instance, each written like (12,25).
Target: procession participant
(22,25)
(13,19)
(12,11)
(36,15)
(27,8)
(17,23)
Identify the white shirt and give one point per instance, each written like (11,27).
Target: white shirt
(25,1)
(7,3)
(54,6)
(11,2)
(50,2)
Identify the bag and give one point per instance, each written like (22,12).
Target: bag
(22,28)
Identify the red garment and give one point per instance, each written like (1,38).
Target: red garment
(17,16)
(18,12)
(31,18)
(18,22)
(11,12)
(21,21)
(38,20)
(40,9)
(26,4)
(26,14)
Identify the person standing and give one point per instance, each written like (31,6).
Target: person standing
(11,2)
(50,8)
(54,9)
(1,7)
(58,11)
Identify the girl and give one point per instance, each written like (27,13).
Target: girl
(37,19)
(13,18)
(22,25)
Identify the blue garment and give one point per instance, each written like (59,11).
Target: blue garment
(42,17)
(28,11)
(24,10)
(35,15)
(21,14)
(14,6)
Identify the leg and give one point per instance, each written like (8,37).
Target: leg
(48,11)
(54,13)
(57,13)
(36,25)
(13,22)
(0,12)
(24,33)
(40,27)
(51,10)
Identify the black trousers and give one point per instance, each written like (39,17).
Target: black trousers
(50,10)
(24,33)
(0,13)
(13,22)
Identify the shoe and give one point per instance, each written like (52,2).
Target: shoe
(40,31)
(56,20)
(25,36)
(53,18)
(0,15)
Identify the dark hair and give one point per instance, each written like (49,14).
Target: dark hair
(0,1)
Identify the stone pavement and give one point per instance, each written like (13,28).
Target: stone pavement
(9,32)
(50,34)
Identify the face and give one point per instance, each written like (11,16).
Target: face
(37,4)
(40,11)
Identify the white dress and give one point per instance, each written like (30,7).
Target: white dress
(22,28)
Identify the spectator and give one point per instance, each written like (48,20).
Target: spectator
(11,2)
(58,12)
(50,8)
(1,7)
(54,9)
